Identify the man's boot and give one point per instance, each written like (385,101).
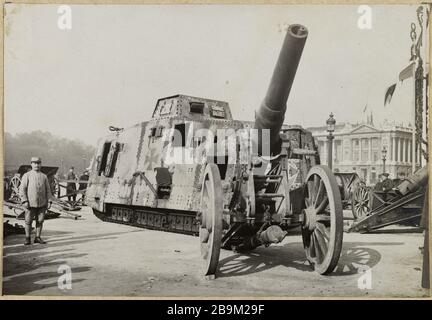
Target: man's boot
(39,240)
(27,241)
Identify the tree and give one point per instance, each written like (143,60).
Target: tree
(54,151)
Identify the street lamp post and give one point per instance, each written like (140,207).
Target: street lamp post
(331,122)
(384,156)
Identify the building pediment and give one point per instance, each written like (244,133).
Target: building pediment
(364,128)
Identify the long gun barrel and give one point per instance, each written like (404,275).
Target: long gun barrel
(271,114)
(413,181)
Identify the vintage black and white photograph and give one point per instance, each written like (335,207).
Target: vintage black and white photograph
(238,150)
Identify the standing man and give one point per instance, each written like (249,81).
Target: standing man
(385,184)
(83,186)
(71,186)
(35,194)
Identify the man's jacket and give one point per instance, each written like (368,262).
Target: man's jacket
(35,189)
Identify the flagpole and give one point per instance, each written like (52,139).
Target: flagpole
(425,46)
(413,143)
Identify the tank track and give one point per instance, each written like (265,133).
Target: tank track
(148,218)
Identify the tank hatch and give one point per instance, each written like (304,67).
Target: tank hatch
(192,108)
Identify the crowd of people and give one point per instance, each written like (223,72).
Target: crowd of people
(386,184)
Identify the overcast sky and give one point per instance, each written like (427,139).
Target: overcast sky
(116,61)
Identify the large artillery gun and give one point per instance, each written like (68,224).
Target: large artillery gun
(192,169)
(375,209)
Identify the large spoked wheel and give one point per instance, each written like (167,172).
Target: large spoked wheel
(360,202)
(322,229)
(210,231)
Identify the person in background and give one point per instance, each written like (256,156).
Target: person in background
(35,193)
(399,179)
(401,176)
(83,186)
(385,184)
(71,186)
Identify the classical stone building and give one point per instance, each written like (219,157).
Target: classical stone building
(358,148)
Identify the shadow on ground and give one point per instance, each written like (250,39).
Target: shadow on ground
(27,283)
(37,270)
(14,244)
(354,255)
(395,231)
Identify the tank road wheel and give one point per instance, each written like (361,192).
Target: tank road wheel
(322,229)
(210,231)
(360,202)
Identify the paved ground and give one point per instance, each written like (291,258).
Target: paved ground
(116,260)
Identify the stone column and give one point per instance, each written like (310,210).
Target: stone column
(370,150)
(410,151)
(393,139)
(360,149)
(403,150)
(400,150)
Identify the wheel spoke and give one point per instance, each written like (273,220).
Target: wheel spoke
(312,245)
(310,190)
(316,181)
(322,229)
(321,246)
(323,217)
(321,184)
(322,205)
(317,249)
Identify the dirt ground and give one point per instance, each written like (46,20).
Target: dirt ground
(116,260)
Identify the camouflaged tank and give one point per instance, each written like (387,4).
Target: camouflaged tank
(193,169)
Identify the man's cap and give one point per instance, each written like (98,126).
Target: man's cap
(36,159)
(384,174)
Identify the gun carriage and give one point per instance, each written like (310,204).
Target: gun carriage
(12,199)
(374,209)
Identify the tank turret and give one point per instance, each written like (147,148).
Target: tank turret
(271,113)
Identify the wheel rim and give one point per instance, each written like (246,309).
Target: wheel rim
(55,189)
(322,230)
(210,231)
(360,203)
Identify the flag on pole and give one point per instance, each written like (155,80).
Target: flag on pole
(408,72)
(389,93)
(365,108)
